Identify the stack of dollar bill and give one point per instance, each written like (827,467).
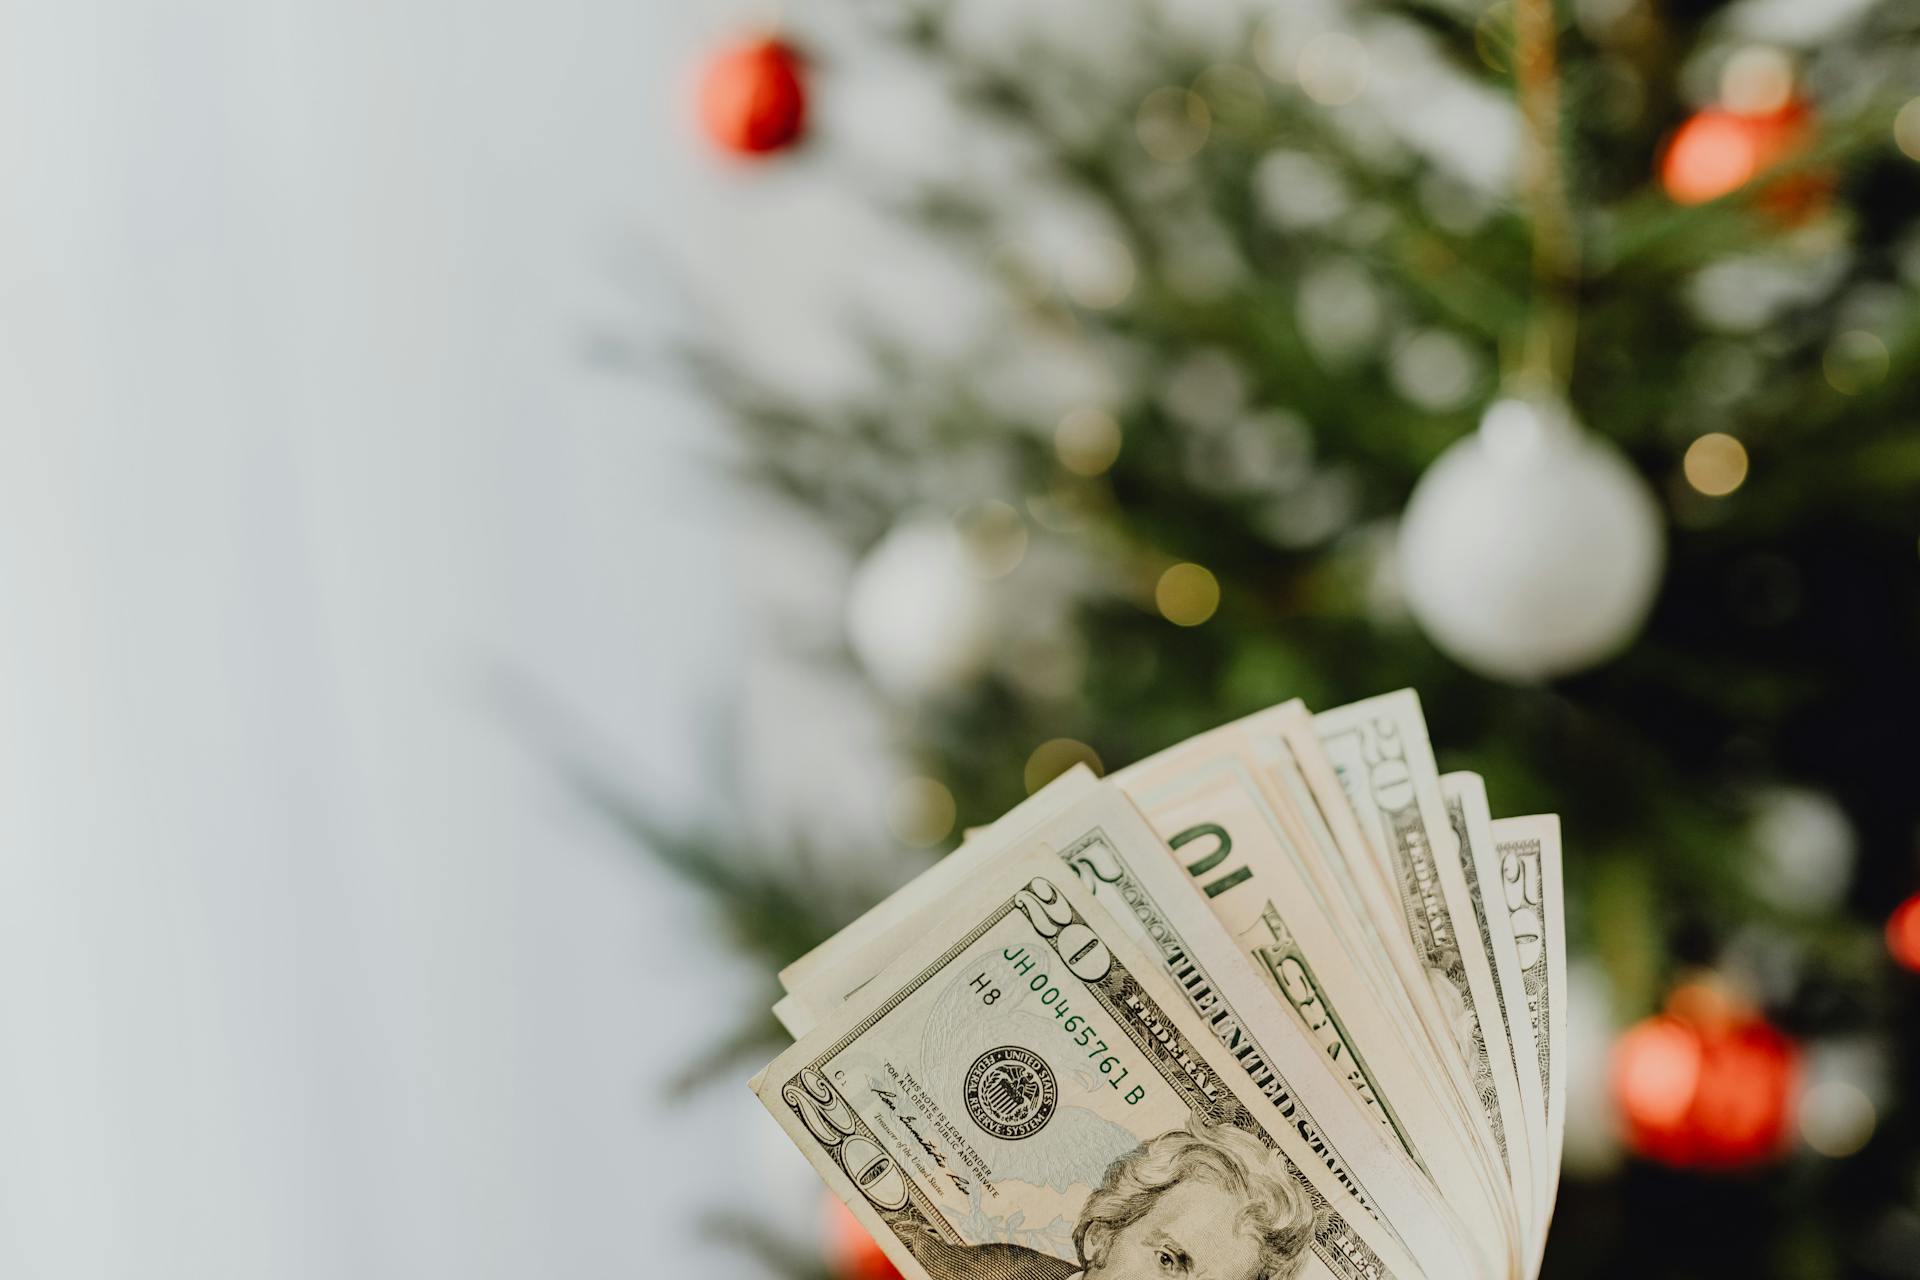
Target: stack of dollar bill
(1282,1000)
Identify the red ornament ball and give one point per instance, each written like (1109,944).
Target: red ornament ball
(753,100)
(1706,1084)
(1903,933)
(851,1252)
(1718,151)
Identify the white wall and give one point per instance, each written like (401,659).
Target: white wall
(308,967)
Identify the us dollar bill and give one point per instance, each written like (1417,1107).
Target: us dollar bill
(1531,895)
(1457,814)
(1008,1100)
(1230,835)
(1284,740)
(1379,748)
(1468,812)
(1207,809)
(1117,859)
(793,1015)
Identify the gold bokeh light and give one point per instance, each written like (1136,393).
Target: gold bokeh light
(1715,464)
(1054,757)
(1332,68)
(920,811)
(995,538)
(1187,594)
(1756,80)
(1906,129)
(1855,362)
(1099,274)
(1837,1118)
(1087,441)
(1173,124)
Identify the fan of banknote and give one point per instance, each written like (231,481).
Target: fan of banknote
(1283,1000)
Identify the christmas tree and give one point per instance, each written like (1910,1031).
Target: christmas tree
(1556,361)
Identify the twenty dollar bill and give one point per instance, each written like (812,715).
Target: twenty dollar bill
(1010,1098)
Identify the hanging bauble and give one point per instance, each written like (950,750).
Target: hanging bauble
(753,99)
(1716,152)
(850,1251)
(1759,122)
(1530,549)
(918,612)
(1903,933)
(1707,1084)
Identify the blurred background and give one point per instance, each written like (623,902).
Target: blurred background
(522,519)
(322,528)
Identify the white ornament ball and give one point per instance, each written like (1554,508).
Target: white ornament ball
(918,616)
(1530,549)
